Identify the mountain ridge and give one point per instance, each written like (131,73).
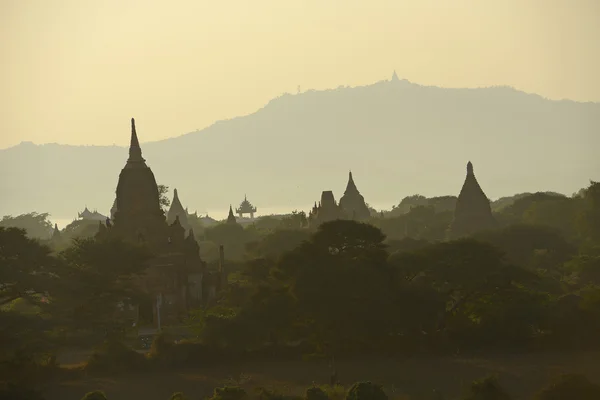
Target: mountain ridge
(495,87)
(399,138)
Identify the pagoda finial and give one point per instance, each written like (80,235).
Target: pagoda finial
(135,152)
(395,77)
(470,168)
(175,196)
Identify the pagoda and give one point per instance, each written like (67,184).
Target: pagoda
(473,212)
(327,210)
(90,216)
(230,217)
(245,208)
(177,211)
(353,203)
(175,270)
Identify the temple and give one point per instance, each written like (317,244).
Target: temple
(177,211)
(327,210)
(353,203)
(245,208)
(91,216)
(56,233)
(175,271)
(230,217)
(473,212)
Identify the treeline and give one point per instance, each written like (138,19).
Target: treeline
(564,387)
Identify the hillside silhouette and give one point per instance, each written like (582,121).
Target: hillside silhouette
(398,138)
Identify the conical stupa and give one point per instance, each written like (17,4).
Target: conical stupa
(473,212)
(352,202)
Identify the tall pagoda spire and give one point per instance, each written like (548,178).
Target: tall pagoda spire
(231,218)
(56,233)
(135,151)
(352,202)
(351,186)
(473,212)
(395,77)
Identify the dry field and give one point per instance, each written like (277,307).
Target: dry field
(411,378)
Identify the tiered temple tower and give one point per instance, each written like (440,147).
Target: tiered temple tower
(353,203)
(138,213)
(327,210)
(175,271)
(473,212)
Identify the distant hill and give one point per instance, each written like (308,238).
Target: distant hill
(398,138)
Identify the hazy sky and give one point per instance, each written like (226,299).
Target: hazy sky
(75,71)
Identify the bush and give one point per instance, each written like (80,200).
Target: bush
(229,393)
(570,387)
(96,395)
(114,356)
(266,394)
(316,393)
(366,391)
(161,347)
(336,392)
(19,392)
(486,389)
(178,396)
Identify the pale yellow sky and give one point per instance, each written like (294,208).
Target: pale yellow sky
(75,71)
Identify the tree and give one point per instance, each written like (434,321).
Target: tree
(274,244)
(36,225)
(366,391)
(106,273)
(570,387)
(589,219)
(164,201)
(27,269)
(487,389)
(338,279)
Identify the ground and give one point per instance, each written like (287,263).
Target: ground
(411,378)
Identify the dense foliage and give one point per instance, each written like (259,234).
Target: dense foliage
(390,285)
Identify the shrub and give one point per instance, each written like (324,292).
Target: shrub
(178,396)
(266,394)
(161,347)
(96,395)
(114,356)
(336,392)
(316,393)
(570,387)
(19,392)
(486,389)
(229,393)
(366,391)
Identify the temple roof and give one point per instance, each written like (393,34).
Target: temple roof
(87,214)
(176,211)
(245,207)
